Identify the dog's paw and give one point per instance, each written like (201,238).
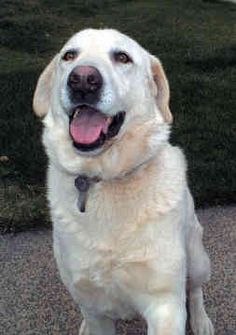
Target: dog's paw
(201,324)
(83,328)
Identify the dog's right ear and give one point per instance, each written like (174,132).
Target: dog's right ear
(43,90)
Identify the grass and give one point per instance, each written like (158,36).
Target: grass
(195,41)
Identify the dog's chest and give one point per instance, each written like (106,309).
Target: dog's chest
(105,259)
(98,275)
(106,265)
(107,254)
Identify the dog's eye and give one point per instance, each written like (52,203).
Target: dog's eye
(70,55)
(122,57)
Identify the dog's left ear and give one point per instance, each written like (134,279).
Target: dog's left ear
(162,91)
(42,94)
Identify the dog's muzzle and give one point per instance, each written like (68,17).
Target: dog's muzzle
(89,127)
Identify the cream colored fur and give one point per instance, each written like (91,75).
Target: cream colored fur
(139,239)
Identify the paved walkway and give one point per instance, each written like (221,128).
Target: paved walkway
(34,302)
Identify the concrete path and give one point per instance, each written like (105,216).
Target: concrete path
(33,300)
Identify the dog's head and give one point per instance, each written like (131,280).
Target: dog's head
(102,98)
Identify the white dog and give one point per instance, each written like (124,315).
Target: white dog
(126,237)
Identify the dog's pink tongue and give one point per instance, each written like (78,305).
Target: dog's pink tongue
(87,126)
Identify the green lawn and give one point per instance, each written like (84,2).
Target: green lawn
(196,41)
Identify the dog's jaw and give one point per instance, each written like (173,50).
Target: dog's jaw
(133,145)
(90,129)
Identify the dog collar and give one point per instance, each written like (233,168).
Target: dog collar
(83,183)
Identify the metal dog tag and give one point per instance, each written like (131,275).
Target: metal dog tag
(82,183)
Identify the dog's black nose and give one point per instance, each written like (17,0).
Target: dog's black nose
(85,83)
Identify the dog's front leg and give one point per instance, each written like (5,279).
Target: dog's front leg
(96,325)
(167,316)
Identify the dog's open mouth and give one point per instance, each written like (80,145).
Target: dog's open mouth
(90,128)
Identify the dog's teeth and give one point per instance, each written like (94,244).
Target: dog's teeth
(109,120)
(76,113)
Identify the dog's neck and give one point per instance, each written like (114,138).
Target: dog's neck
(83,183)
